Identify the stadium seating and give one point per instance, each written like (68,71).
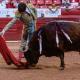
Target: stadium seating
(57,2)
(48,2)
(40,2)
(34,2)
(74,0)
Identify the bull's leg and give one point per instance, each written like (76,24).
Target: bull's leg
(62,65)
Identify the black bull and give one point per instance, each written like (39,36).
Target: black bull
(57,37)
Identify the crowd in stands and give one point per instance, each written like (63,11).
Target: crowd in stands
(39,3)
(8,3)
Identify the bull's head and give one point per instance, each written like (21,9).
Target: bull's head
(32,57)
(32,54)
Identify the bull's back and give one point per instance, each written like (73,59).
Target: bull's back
(70,27)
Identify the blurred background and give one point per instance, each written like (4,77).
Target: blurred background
(47,10)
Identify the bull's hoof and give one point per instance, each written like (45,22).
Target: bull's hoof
(61,68)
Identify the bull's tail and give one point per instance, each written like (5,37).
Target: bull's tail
(7,54)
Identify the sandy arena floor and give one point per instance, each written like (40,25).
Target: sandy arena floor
(47,68)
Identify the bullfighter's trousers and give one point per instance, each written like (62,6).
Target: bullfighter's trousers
(27,35)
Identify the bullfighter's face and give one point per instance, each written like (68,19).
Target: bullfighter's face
(32,57)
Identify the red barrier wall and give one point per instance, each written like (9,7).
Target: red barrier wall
(70,12)
(15,32)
